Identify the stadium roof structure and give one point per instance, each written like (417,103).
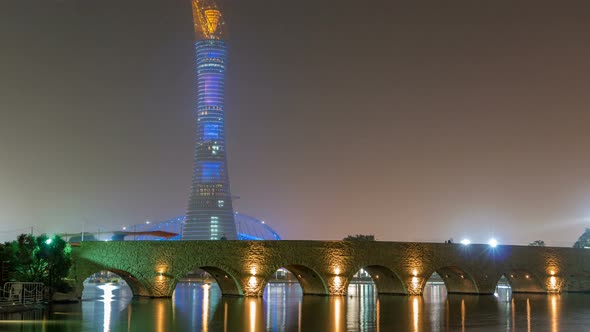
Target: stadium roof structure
(248,227)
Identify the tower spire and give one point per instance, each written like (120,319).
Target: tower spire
(208,20)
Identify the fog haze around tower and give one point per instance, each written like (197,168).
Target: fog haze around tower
(411,121)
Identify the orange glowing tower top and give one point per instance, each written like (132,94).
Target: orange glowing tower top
(209,23)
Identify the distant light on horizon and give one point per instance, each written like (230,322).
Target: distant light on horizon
(493,243)
(465,242)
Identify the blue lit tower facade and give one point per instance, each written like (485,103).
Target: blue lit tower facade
(210,213)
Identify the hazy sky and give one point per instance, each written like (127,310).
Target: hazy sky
(410,120)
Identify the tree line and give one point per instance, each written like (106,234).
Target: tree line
(37,259)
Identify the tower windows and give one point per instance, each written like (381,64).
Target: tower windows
(214,228)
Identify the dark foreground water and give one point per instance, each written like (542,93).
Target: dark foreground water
(199,307)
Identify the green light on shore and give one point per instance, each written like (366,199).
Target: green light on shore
(48,241)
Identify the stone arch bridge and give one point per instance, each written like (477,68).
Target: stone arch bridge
(242,268)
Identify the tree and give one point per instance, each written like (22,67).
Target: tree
(360,237)
(537,243)
(40,259)
(25,265)
(5,262)
(583,240)
(57,254)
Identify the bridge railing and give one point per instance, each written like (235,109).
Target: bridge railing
(22,293)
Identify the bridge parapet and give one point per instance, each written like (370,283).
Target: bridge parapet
(242,268)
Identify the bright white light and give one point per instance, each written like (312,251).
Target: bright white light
(465,242)
(107,299)
(493,243)
(48,241)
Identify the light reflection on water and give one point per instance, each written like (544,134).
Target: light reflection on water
(107,299)
(200,307)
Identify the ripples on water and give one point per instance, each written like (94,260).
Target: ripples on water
(200,307)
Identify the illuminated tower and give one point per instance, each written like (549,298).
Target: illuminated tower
(210,213)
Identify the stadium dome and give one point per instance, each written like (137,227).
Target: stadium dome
(248,227)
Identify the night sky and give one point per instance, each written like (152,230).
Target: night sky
(413,120)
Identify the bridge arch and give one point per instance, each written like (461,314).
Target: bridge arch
(223,275)
(523,281)
(136,286)
(457,280)
(311,282)
(385,279)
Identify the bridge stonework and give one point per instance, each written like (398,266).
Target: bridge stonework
(242,268)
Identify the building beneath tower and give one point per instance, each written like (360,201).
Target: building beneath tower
(210,213)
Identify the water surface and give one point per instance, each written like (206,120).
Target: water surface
(200,307)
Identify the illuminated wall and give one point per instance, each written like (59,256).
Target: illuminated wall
(210,214)
(152,268)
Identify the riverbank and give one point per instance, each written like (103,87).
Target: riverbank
(12,308)
(7,307)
